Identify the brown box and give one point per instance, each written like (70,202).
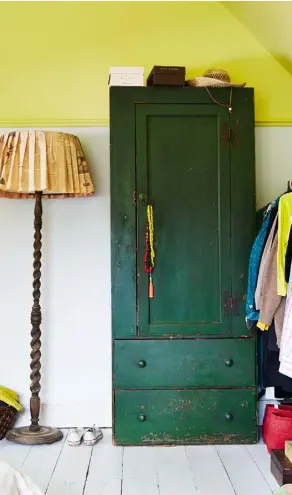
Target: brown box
(281,467)
(166,76)
(288,450)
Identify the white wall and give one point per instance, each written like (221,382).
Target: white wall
(273,162)
(76,383)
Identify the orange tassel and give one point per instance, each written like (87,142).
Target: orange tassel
(151,288)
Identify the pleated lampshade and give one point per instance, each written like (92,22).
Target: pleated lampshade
(50,162)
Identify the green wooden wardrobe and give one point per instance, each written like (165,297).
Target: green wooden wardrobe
(184,364)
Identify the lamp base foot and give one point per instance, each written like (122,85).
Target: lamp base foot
(41,436)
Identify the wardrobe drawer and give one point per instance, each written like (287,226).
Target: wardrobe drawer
(184,363)
(167,417)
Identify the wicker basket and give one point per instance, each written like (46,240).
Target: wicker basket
(7,418)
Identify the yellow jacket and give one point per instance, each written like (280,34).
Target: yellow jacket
(285,221)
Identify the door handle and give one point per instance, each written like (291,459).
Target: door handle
(143,198)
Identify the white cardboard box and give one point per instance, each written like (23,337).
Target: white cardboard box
(126,76)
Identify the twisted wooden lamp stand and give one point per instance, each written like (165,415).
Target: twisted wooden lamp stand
(35,434)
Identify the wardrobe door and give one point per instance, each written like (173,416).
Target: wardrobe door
(183,169)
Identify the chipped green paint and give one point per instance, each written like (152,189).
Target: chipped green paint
(185,416)
(174,146)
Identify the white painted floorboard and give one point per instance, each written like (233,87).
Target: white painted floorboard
(45,457)
(13,455)
(106,470)
(209,474)
(174,472)
(140,471)
(262,459)
(244,474)
(69,475)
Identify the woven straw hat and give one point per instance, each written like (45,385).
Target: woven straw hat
(214,78)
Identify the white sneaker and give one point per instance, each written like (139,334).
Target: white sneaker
(75,437)
(92,436)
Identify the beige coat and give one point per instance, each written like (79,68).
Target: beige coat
(269,303)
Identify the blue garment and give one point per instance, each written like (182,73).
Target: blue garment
(254,265)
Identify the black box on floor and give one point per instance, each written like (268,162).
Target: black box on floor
(281,467)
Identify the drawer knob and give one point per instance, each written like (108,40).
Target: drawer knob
(229,417)
(142,364)
(228,363)
(142,417)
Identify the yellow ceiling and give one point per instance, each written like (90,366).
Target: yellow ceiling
(271,24)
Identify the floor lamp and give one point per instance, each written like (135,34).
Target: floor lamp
(40,165)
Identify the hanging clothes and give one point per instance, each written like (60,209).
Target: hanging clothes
(269,303)
(269,364)
(255,258)
(288,258)
(267,306)
(285,219)
(286,340)
(264,264)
